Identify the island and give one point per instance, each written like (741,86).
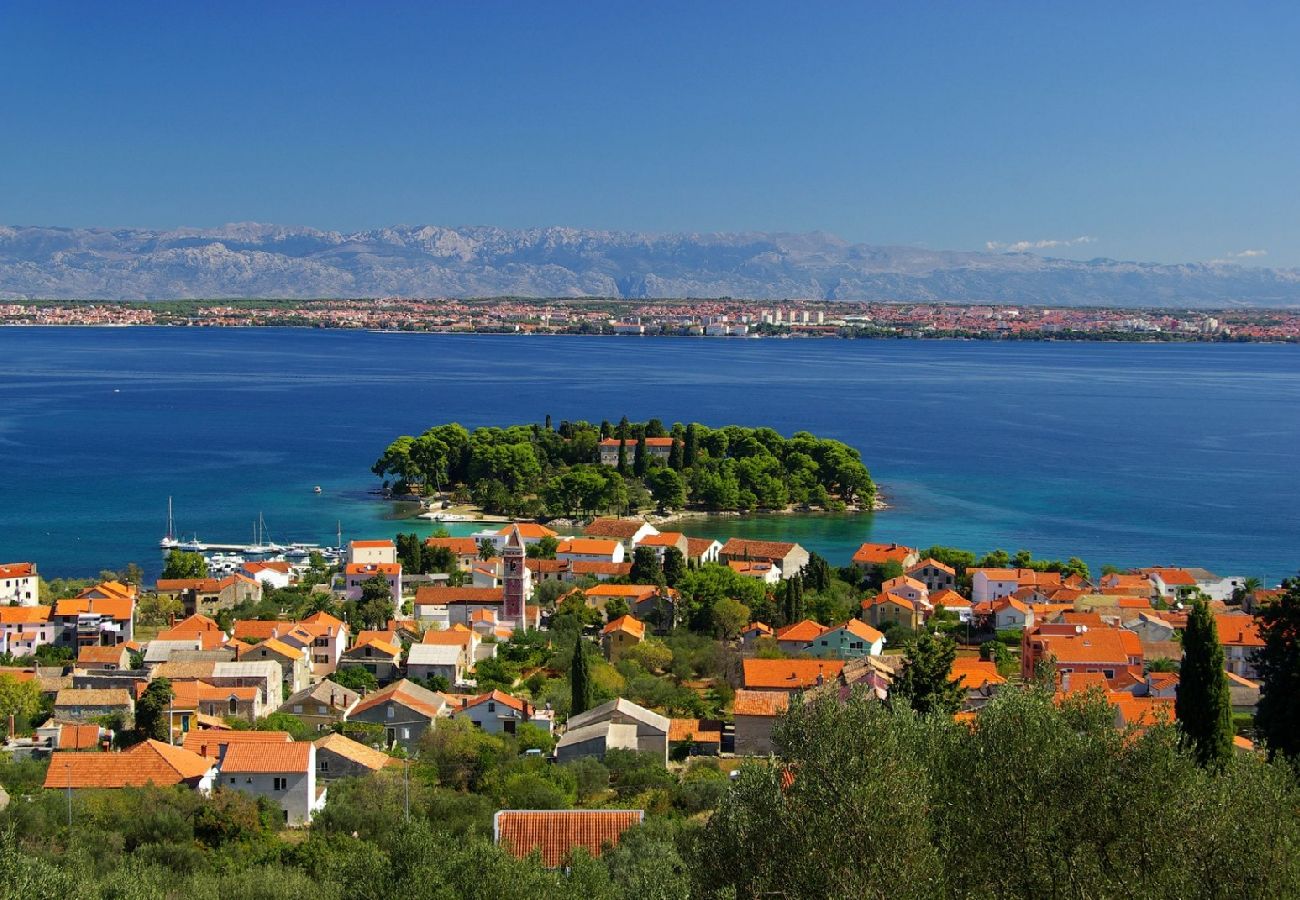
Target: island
(579,469)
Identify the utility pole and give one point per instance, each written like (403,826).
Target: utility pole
(406,782)
(67,766)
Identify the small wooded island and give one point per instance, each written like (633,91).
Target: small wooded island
(580,469)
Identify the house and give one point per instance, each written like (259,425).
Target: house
(788,675)
(101,657)
(590,550)
(24,628)
(447,661)
(989,584)
(851,640)
(464,549)
(794,639)
(952,602)
(751,635)
(208,596)
(293,661)
(662,541)
(650,728)
(198,628)
(695,737)
(377,655)
(263,674)
(766,572)
(555,834)
(355,575)
(19,584)
(497,712)
(276,573)
(550,569)
(628,532)
(90,704)
(94,620)
(978,677)
(601,571)
(596,740)
(1132,583)
(1217,587)
(1149,627)
(467,639)
(936,576)
(885,609)
(223,701)
(382,553)
(80,737)
(755,714)
(322,705)
(460,602)
(338,756)
(212,743)
(702,551)
(405,711)
(789,558)
(148,762)
(906,586)
(1114,652)
(285,774)
(322,636)
(1239,635)
(599,595)
(659,448)
(620,635)
(1171,583)
(1009,613)
(872,557)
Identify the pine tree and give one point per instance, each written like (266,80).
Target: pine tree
(606,429)
(691,446)
(647,568)
(1203,706)
(582,696)
(151,718)
(924,684)
(1278,715)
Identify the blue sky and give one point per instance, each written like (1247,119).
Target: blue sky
(1159,131)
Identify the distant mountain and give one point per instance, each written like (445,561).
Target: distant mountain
(252,260)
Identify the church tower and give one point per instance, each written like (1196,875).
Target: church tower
(518,580)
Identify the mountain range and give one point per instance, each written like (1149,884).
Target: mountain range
(272,261)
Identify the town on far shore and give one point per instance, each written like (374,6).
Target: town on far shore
(618,643)
(716,318)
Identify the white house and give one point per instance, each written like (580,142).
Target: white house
(650,728)
(993,584)
(270,574)
(702,550)
(591,550)
(19,584)
(283,773)
(1010,613)
(355,575)
(425,661)
(498,712)
(368,552)
(1217,587)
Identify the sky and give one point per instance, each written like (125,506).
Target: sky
(1154,131)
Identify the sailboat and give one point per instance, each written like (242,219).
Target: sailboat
(169,541)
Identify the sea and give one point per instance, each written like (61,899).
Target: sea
(1123,453)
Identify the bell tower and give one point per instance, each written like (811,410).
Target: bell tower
(518,580)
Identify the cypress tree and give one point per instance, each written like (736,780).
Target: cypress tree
(580,680)
(639,460)
(1278,716)
(606,429)
(691,446)
(622,455)
(1203,706)
(675,455)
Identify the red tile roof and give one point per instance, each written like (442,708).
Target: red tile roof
(1238,631)
(600,567)
(804,631)
(788,674)
(17,570)
(623,529)
(756,550)
(876,554)
(760,703)
(149,762)
(630,624)
(438,596)
(254,759)
(374,569)
(210,742)
(556,834)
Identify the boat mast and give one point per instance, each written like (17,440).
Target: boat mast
(171,524)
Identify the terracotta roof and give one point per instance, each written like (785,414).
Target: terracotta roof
(100,655)
(1238,630)
(78,737)
(600,567)
(876,554)
(696,546)
(758,628)
(322,621)
(623,529)
(859,628)
(356,752)
(1173,577)
(457,635)
(372,545)
(1095,646)
(149,762)
(211,742)
(528,530)
(499,697)
(195,624)
(17,570)
(760,703)
(92,697)
(804,631)
(440,596)
(114,607)
(933,563)
(556,834)
(882,599)
(902,581)
(639,591)
(663,539)
(588,547)
(695,730)
(788,674)
(280,566)
(407,694)
(757,550)
(269,758)
(949,599)
(374,569)
(378,640)
(973,673)
(630,624)
(461,546)
(278,647)
(24,615)
(541,566)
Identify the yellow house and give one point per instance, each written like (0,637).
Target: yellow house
(619,635)
(887,608)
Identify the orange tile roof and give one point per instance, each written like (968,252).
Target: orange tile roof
(438,596)
(114,607)
(600,567)
(278,647)
(556,834)
(760,703)
(804,631)
(695,546)
(757,550)
(882,599)
(639,591)
(528,530)
(210,742)
(17,570)
(902,581)
(758,628)
(949,599)
(1173,577)
(498,697)
(622,529)
(588,547)
(99,655)
(405,693)
(859,628)
(370,545)
(933,563)
(876,554)
(663,539)
(113,589)
(78,737)
(24,615)
(252,759)
(973,673)
(1096,646)
(630,624)
(461,546)
(149,762)
(374,569)
(1238,631)
(788,674)
(322,621)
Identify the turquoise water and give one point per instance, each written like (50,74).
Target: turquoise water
(1121,453)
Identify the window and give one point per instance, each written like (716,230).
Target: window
(234,706)
(281,783)
(297,708)
(248,781)
(233,779)
(492,707)
(1108,673)
(324,765)
(389,712)
(406,733)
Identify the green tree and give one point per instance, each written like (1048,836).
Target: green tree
(667,487)
(1203,707)
(185,565)
(1277,717)
(646,566)
(152,716)
(355,678)
(730,617)
(622,453)
(375,607)
(581,689)
(20,699)
(543,549)
(924,684)
(690,447)
(486,549)
(674,566)
(640,458)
